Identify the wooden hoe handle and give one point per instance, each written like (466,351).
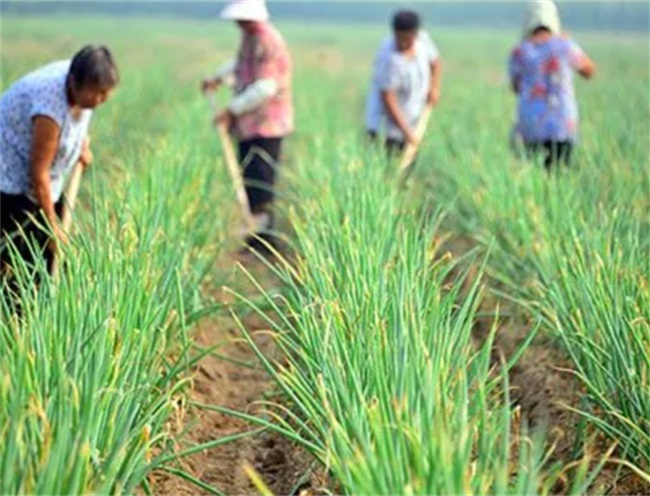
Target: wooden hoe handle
(70,199)
(233,169)
(412,148)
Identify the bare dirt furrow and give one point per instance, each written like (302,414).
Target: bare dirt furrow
(216,381)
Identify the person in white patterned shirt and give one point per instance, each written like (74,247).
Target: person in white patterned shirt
(406,76)
(44,120)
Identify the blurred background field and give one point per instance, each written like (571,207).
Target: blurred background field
(567,253)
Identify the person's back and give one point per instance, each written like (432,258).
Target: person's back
(547,104)
(265,55)
(541,73)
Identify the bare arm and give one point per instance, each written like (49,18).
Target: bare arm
(224,75)
(580,61)
(389,98)
(587,69)
(44,147)
(436,76)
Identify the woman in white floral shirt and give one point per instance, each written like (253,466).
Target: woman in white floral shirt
(44,120)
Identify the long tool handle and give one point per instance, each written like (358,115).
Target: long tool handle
(412,148)
(70,198)
(71,193)
(233,169)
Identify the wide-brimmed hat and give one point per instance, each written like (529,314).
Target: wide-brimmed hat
(541,13)
(246,10)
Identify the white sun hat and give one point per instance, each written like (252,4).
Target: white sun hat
(541,13)
(246,10)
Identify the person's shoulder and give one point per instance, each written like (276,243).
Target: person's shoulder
(561,44)
(394,57)
(564,40)
(51,74)
(386,50)
(61,65)
(54,69)
(47,91)
(425,37)
(387,44)
(271,36)
(426,44)
(518,50)
(40,79)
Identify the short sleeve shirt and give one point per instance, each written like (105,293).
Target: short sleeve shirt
(547,109)
(39,93)
(410,78)
(264,55)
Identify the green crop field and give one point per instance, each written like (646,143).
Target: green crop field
(412,328)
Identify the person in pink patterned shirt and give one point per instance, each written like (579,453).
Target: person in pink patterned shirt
(261,112)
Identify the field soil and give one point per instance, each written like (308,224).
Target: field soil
(540,386)
(282,466)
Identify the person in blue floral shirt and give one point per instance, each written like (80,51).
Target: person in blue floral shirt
(541,73)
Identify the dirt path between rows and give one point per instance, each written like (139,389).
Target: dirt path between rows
(539,387)
(216,381)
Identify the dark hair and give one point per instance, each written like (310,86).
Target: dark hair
(93,65)
(406,20)
(540,29)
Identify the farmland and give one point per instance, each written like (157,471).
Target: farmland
(485,330)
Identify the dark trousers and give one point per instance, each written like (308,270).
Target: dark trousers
(391,145)
(553,152)
(260,158)
(16,212)
(394,147)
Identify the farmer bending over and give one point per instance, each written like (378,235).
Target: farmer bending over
(406,76)
(541,73)
(44,119)
(261,112)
